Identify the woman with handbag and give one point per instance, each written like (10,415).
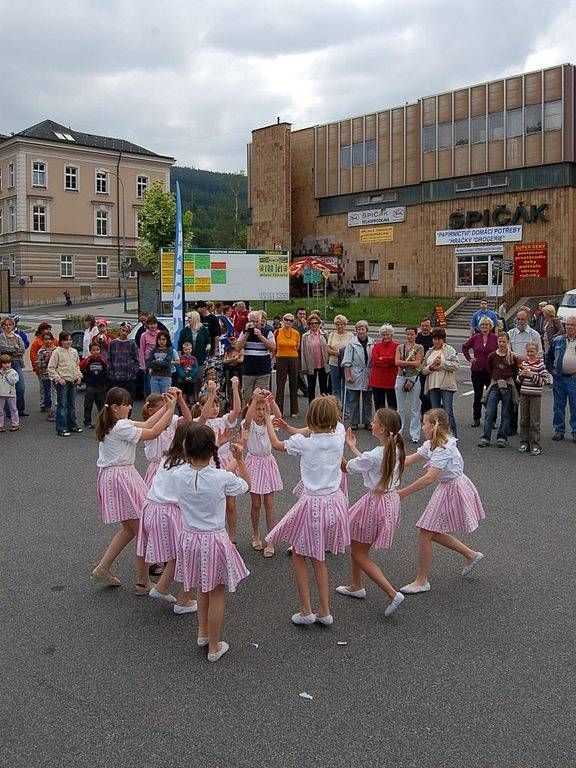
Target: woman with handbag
(337,341)
(409,358)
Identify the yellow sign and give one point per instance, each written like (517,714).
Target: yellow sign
(377,235)
(273,264)
(325,274)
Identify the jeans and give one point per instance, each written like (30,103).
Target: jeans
(20,389)
(160,384)
(47,394)
(66,409)
(424,398)
(354,395)
(409,404)
(564,391)
(322,383)
(480,381)
(444,398)
(287,368)
(495,396)
(339,386)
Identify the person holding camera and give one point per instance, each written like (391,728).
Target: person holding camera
(259,345)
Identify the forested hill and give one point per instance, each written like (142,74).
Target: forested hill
(218,202)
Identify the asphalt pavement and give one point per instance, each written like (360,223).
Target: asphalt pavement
(478,672)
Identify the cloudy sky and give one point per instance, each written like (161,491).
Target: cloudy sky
(191,79)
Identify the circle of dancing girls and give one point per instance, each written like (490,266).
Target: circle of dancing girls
(454,506)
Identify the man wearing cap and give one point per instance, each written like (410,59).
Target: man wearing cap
(103,337)
(123,360)
(538,319)
(211,323)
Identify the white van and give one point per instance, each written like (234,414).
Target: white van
(567,306)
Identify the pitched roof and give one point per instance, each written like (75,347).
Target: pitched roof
(48,130)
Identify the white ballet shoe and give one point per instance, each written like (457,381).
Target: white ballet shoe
(471,564)
(415,589)
(395,604)
(359,593)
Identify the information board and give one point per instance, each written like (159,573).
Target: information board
(530,260)
(228,274)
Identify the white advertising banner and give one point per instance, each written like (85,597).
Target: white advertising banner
(476,249)
(377,216)
(509,234)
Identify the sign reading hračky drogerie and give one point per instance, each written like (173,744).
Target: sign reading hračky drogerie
(377,216)
(480,235)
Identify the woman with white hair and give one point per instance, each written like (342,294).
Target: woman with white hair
(384,370)
(337,341)
(357,364)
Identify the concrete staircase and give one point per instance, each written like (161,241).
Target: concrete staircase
(460,318)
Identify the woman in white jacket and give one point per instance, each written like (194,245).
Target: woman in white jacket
(8,381)
(356,364)
(440,366)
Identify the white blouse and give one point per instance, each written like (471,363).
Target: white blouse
(201,495)
(448,459)
(162,488)
(369,465)
(219,425)
(119,446)
(153,449)
(320,459)
(258,441)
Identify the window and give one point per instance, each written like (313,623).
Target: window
(371,152)
(552,117)
(66,266)
(514,123)
(445,136)
(141,185)
(461,132)
(390,266)
(12,218)
(138,224)
(10,175)
(380,197)
(357,154)
(101,183)
(496,126)
(360,270)
(71,178)
(1,221)
(428,138)
(64,136)
(12,258)
(374,266)
(102,223)
(472,271)
(102,266)
(39,218)
(478,129)
(38,174)
(465,185)
(345,156)
(533,118)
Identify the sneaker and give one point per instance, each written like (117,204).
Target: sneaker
(76,429)
(359,593)
(523,448)
(558,436)
(395,604)
(415,440)
(297,618)
(222,649)
(165,596)
(536,451)
(482,443)
(475,423)
(326,620)
(472,564)
(91,426)
(63,434)
(501,443)
(415,589)
(179,610)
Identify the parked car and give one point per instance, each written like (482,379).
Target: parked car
(567,306)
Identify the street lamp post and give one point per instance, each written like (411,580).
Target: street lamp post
(122,277)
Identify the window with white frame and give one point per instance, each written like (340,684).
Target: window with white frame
(374,269)
(12,218)
(10,175)
(38,174)
(514,123)
(552,116)
(71,178)
(1,220)
(39,221)
(141,185)
(101,266)
(371,152)
(12,258)
(138,223)
(345,156)
(533,118)
(66,265)
(461,128)
(101,182)
(102,223)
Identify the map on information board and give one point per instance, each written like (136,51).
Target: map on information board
(228,274)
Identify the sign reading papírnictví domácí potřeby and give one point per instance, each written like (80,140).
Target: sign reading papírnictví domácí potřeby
(480,235)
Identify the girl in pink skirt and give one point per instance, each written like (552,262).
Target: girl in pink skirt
(264,474)
(121,490)
(318,522)
(155,449)
(221,424)
(207,559)
(454,506)
(160,525)
(375,517)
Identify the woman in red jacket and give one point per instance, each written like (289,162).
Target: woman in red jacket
(383,376)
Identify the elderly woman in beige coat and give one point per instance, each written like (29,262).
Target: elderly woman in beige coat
(314,357)
(440,366)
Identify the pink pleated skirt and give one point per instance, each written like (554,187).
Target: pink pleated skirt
(299,487)
(374,519)
(207,559)
(160,527)
(454,506)
(264,473)
(225,460)
(315,525)
(121,493)
(151,472)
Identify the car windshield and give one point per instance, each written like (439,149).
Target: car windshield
(569,300)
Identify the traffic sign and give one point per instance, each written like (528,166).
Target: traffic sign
(311,275)
(325,274)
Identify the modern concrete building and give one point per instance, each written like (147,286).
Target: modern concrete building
(69,204)
(463,192)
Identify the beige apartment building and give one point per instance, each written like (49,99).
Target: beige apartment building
(69,205)
(467,191)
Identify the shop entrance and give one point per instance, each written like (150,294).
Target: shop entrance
(479,269)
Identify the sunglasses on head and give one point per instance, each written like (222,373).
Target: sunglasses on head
(288,320)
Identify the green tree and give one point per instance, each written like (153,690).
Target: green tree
(158,223)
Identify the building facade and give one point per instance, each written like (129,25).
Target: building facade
(69,205)
(468,191)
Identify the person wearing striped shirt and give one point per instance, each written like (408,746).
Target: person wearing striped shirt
(532,376)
